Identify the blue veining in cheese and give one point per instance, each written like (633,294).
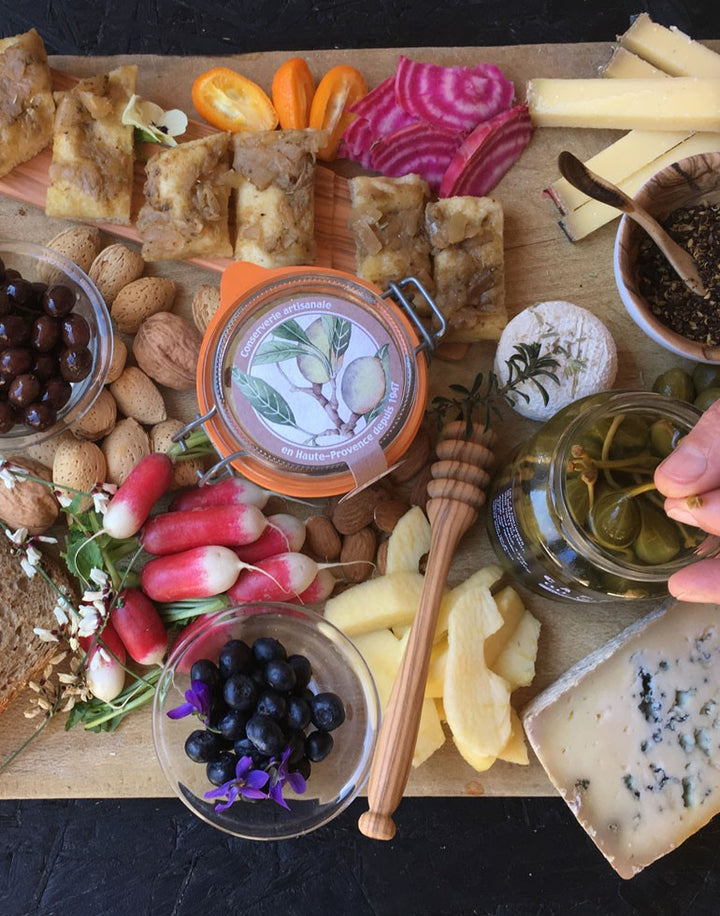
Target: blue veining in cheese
(630,736)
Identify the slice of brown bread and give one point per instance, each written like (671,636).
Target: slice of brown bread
(24,604)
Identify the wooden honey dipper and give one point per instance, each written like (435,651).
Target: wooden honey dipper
(456,493)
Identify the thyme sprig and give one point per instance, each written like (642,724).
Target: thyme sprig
(485,397)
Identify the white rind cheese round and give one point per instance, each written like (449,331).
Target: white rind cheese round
(579,341)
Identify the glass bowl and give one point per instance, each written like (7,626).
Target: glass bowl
(39,264)
(338,667)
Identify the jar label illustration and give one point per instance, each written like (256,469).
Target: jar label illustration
(316,383)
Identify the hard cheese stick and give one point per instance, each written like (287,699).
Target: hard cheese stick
(670,49)
(630,736)
(592,215)
(684,103)
(625,65)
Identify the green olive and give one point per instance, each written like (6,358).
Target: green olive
(614,519)
(705,376)
(664,437)
(675,383)
(658,540)
(706,398)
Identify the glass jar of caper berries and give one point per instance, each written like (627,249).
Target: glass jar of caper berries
(574,512)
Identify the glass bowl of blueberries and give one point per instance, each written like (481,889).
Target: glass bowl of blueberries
(265,719)
(55,344)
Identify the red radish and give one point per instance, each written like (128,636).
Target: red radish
(453,98)
(279,578)
(139,626)
(231,491)
(418,147)
(283,534)
(135,497)
(198,573)
(319,589)
(223,526)
(487,153)
(104,672)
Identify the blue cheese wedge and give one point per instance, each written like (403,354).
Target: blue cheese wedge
(630,736)
(582,345)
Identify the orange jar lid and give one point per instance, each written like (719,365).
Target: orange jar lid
(312,382)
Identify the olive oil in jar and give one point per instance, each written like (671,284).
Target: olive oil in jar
(574,512)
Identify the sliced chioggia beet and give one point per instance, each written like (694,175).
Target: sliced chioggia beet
(453,98)
(381,110)
(487,153)
(418,148)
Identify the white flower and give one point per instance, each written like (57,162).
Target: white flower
(101,497)
(89,620)
(60,615)
(64,499)
(19,536)
(161,126)
(99,577)
(8,473)
(45,635)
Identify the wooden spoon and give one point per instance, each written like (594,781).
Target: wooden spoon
(456,493)
(595,186)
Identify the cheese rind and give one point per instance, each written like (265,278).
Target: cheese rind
(684,103)
(630,736)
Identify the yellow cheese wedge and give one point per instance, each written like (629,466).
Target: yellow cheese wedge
(684,103)
(593,214)
(670,49)
(625,65)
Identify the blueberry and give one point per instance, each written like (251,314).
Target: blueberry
(296,743)
(235,657)
(245,748)
(267,649)
(232,724)
(266,735)
(202,746)
(318,745)
(302,767)
(298,713)
(303,670)
(273,704)
(222,769)
(240,691)
(280,675)
(206,671)
(328,711)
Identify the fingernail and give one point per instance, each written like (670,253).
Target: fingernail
(685,464)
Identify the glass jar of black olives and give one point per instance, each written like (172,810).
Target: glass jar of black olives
(574,512)
(55,344)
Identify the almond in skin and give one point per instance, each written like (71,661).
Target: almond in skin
(322,540)
(358,552)
(356,511)
(138,397)
(139,300)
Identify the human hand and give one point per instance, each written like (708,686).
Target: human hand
(690,479)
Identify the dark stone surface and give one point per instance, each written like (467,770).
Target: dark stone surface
(451,856)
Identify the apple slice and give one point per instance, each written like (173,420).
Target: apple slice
(388,601)
(408,543)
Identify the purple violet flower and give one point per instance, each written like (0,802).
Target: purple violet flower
(248,783)
(282,777)
(197,702)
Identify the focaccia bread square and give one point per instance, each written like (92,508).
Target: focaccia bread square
(27,106)
(387,220)
(91,175)
(185,214)
(274,178)
(466,239)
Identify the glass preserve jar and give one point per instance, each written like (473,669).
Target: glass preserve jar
(312,382)
(573,513)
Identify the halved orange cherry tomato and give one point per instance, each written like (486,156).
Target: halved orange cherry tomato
(232,102)
(293,88)
(340,88)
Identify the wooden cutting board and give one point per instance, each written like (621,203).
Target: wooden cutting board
(540,265)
